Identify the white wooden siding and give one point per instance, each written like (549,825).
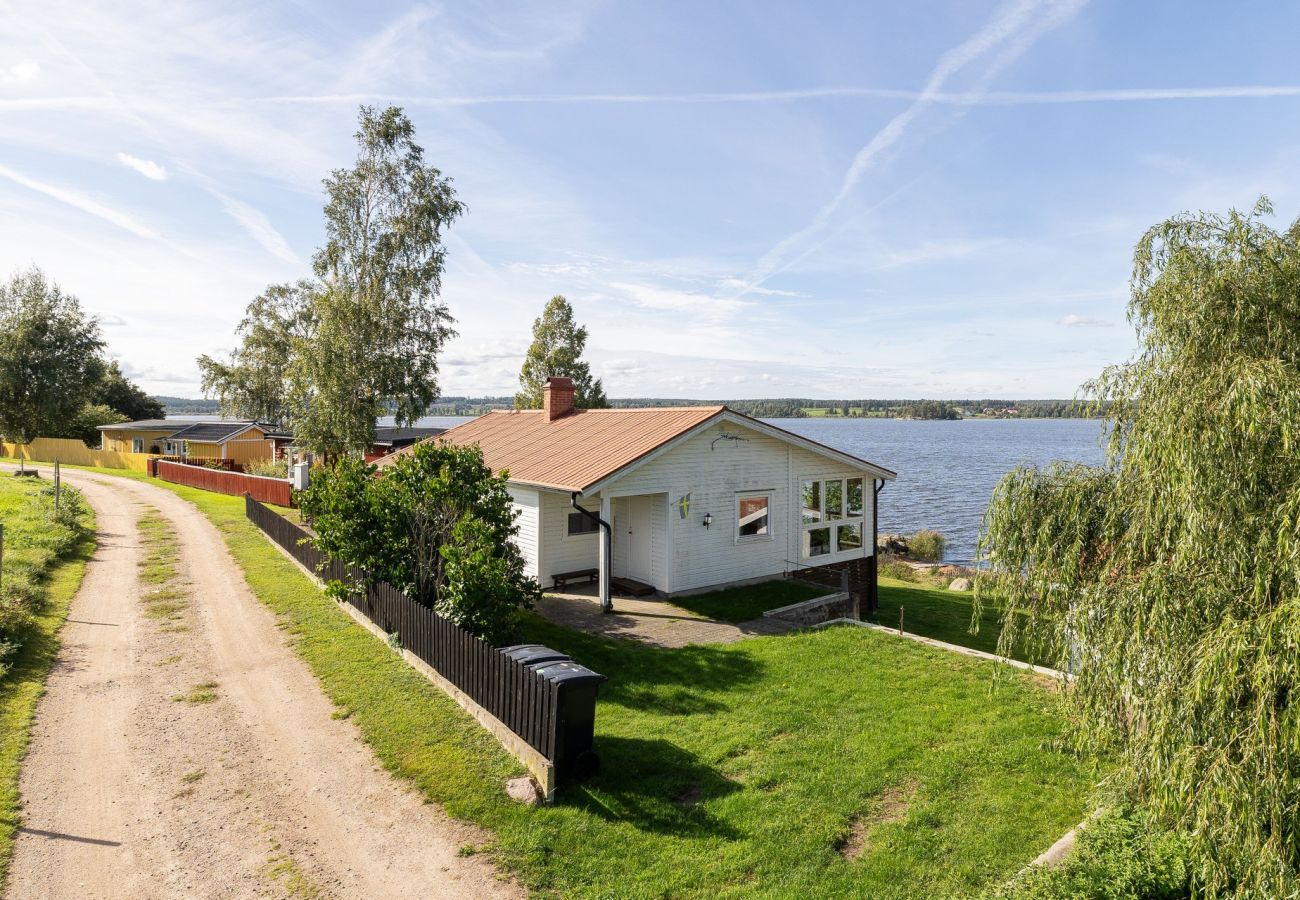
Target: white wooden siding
(527,509)
(562,552)
(714,470)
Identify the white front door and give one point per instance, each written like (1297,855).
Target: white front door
(637,527)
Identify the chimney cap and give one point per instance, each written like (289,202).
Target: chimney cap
(559,381)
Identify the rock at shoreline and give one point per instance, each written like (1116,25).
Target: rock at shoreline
(893,544)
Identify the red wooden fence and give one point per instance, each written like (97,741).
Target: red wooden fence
(266,490)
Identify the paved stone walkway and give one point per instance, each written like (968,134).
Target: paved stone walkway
(648,620)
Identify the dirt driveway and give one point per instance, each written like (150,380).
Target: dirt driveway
(194,755)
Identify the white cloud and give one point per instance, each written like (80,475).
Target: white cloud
(941,98)
(258,226)
(739,284)
(81,202)
(146,167)
(24,72)
(657,298)
(1011,31)
(1077,321)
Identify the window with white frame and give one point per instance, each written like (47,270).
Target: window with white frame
(137,445)
(753,517)
(833,516)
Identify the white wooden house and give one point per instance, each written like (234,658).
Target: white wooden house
(678,499)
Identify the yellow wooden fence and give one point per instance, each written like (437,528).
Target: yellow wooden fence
(75,453)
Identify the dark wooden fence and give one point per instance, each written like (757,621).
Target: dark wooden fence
(524,701)
(267,490)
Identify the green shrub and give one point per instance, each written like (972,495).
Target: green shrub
(437,525)
(269,469)
(893,567)
(927,544)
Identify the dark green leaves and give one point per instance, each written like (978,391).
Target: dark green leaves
(437,524)
(49,357)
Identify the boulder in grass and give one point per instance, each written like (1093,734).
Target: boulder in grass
(960,584)
(524,790)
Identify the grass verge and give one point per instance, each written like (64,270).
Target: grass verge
(734,770)
(21,687)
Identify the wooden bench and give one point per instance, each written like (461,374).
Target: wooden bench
(591,576)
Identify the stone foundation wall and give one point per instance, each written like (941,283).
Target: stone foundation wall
(817,610)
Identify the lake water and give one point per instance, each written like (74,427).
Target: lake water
(946,470)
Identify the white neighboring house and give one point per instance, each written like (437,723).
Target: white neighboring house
(678,499)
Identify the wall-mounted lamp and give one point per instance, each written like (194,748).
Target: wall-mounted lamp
(708,519)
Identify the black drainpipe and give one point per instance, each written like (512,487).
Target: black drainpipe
(873,587)
(607,563)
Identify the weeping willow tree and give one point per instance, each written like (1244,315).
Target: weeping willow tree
(1169,577)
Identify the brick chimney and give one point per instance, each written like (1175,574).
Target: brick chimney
(557,397)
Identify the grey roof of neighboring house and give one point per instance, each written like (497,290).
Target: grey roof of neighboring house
(211,432)
(388,435)
(142,425)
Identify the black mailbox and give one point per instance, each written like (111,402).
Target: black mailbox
(575,728)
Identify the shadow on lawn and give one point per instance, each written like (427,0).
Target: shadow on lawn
(655,785)
(681,681)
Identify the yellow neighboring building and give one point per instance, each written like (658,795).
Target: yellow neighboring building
(146,436)
(247,443)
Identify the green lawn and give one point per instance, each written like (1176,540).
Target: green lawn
(731,770)
(741,604)
(31,552)
(937,613)
(944,615)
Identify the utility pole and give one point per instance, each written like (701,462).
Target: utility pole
(57,485)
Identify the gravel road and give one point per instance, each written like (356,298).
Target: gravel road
(131,790)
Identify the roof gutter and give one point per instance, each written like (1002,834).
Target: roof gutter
(606,552)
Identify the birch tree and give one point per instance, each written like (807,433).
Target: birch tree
(558,342)
(328,355)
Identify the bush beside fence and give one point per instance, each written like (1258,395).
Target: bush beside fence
(267,490)
(518,697)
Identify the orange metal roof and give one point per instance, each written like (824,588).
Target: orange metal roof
(576,450)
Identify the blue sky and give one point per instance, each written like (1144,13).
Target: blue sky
(741,199)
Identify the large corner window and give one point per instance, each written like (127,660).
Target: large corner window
(833,518)
(753,517)
(581,524)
